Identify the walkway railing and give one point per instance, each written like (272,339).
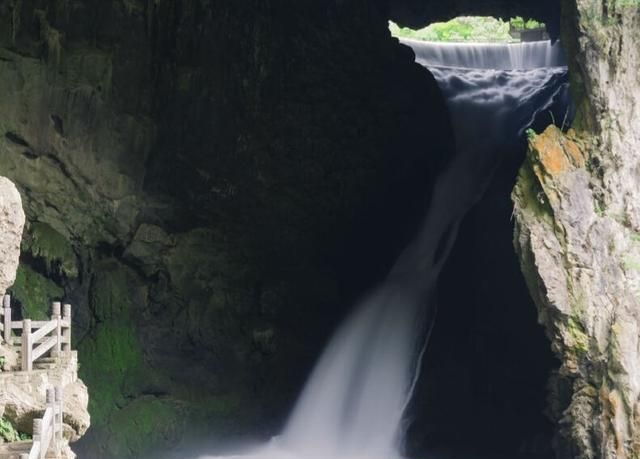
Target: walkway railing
(38,337)
(47,431)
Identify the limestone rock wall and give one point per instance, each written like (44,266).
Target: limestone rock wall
(23,399)
(578,235)
(12,220)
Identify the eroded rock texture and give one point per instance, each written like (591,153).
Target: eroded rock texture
(22,397)
(11,225)
(207,181)
(578,236)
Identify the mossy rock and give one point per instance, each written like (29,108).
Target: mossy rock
(35,292)
(528,193)
(110,352)
(52,248)
(146,422)
(577,339)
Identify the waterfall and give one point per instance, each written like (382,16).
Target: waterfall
(353,404)
(494,56)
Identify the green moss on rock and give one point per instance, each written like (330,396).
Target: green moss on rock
(146,421)
(35,292)
(45,243)
(528,192)
(110,352)
(108,357)
(578,339)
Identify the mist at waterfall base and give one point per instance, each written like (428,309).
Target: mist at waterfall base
(354,402)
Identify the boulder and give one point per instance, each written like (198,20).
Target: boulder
(12,220)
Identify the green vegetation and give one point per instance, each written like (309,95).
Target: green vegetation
(462,29)
(530,133)
(578,340)
(9,433)
(519,23)
(468,29)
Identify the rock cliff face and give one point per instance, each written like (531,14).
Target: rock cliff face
(22,394)
(204,179)
(11,225)
(578,235)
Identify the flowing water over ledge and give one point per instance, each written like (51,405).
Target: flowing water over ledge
(495,56)
(353,404)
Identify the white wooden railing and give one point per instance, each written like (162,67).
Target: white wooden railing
(38,337)
(47,431)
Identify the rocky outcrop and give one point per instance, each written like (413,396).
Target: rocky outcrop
(578,236)
(11,224)
(23,393)
(23,399)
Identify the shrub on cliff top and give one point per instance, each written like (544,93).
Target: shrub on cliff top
(467,29)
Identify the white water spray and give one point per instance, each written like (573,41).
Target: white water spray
(353,404)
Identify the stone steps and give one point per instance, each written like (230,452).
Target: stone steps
(45,363)
(14,450)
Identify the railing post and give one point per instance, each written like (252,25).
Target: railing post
(55,315)
(51,403)
(66,331)
(58,420)
(37,432)
(27,363)
(6,305)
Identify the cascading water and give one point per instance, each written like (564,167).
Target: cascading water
(353,404)
(492,56)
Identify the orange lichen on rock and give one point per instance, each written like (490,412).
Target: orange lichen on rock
(556,152)
(550,154)
(574,152)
